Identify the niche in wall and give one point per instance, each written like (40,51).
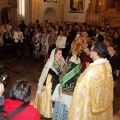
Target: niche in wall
(5,14)
(50,15)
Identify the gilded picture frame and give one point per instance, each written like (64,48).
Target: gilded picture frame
(77,6)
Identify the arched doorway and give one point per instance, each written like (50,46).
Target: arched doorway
(50,15)
(5,14)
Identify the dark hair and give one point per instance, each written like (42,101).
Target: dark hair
(37,21)
(20,90)
(18,27)
(101,49)
(8,21)
(61,31)
(115,47)
(57,49)
(46,20)
(97,28)
(89,45)
(75,23)
(85,31)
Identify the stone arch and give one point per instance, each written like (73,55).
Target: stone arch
(50,15)
(5,13)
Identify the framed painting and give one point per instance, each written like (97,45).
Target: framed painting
(77,6)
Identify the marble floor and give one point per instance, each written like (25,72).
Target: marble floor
(30,70)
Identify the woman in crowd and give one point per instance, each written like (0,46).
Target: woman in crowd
(68,43)
(26,42)
(83,54)
(9,25)
(107,41)
(45,45)
(52,39)
(18,39)
(20,94)
(63,92)
(61,42)
(47,83)
(7,38)
(37,43)
(116,40)
(31,33)
(87,60)
(114,60)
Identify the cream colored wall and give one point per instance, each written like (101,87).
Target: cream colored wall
(74,17)
(42,8)
(38,8)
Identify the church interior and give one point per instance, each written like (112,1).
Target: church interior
(87,15)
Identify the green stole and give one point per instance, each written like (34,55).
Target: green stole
(70,75)
(56,67)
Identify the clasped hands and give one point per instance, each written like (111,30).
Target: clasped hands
(1,89)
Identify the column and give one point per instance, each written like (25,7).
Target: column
(61,9)
(35,10)
(28,11)
(20,11)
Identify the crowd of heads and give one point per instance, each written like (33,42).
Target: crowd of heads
(88,33)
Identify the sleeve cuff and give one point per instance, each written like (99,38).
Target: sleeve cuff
(2,100)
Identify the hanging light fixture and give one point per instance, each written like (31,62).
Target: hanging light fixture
(51,1)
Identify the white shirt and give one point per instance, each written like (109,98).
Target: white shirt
(18,36)
(61,42)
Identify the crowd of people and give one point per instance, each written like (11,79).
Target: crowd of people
(79,77)
(37,39)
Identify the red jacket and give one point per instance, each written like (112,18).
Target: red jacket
(29,113)
(86,60)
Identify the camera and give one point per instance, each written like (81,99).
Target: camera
(4,77)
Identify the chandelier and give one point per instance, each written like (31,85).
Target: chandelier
(51,1)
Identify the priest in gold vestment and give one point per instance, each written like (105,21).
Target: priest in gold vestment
(93,94)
